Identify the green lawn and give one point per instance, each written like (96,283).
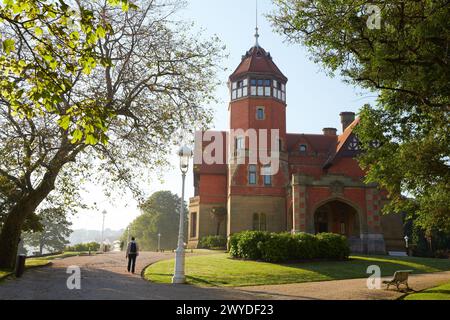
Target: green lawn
(220,270)
(4,273)
(437,293)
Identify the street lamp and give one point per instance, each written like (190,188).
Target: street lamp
(103,230)
(185,154)
(406,244)
(159,242)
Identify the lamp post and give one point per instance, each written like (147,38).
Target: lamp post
(406,245)
(159,242)
(103,230)
(185,154)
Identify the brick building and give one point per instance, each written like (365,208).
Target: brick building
(319,185)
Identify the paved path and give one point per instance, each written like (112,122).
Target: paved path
(105,277)
(354,289)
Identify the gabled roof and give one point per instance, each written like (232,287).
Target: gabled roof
(342,139)
(258,61)
(318,142)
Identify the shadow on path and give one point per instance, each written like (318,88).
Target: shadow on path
(105,278)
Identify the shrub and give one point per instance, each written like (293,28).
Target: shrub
(213,242)
(333,246)
(246,244)
(80,247)
(305,246)
(233,245)
(441,254)
(279,247)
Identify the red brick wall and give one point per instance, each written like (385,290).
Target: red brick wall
(213,188)
(346,166)
(243,115)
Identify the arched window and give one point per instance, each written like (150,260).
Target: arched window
(259,222)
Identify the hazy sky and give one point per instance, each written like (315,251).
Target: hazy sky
(314,99)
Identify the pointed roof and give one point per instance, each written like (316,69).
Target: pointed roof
(342,139)
(257,61)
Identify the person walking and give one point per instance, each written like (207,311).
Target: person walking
(132,253)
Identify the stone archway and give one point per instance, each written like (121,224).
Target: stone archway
(336,216)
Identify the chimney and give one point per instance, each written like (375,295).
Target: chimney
(346,119)
(330,131)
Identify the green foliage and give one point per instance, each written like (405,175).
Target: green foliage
(280,247)
(45,43)
(277,248)
(213,242)
(247,244)
(427,243)
(333,246)
(77,107)
(84,247)
(305,245)
(405,138)
(52,232)
(219,270)
(160,214)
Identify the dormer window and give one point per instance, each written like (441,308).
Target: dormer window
(303,148)
(353,144)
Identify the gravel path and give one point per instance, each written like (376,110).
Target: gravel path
(105,277)
(353,289)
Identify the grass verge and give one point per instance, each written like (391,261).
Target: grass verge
(40,262)
(438,293)
(221,270)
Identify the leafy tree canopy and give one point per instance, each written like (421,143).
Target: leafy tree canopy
(160,214)
(43,44)
(54,230)
(399,49)
(157,78)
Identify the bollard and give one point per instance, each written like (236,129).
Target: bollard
(20,265)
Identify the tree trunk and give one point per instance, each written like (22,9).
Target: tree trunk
(10,236)
(218,228)
(31,199)
(10,233)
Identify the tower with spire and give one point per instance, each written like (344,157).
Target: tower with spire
(319,186)
(257,102)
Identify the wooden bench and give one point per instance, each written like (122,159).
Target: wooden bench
(400,277)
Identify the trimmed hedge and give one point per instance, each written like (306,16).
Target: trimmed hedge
(213,242)
(280,247)
(80,247)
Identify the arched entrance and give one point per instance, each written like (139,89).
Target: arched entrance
(338,217)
